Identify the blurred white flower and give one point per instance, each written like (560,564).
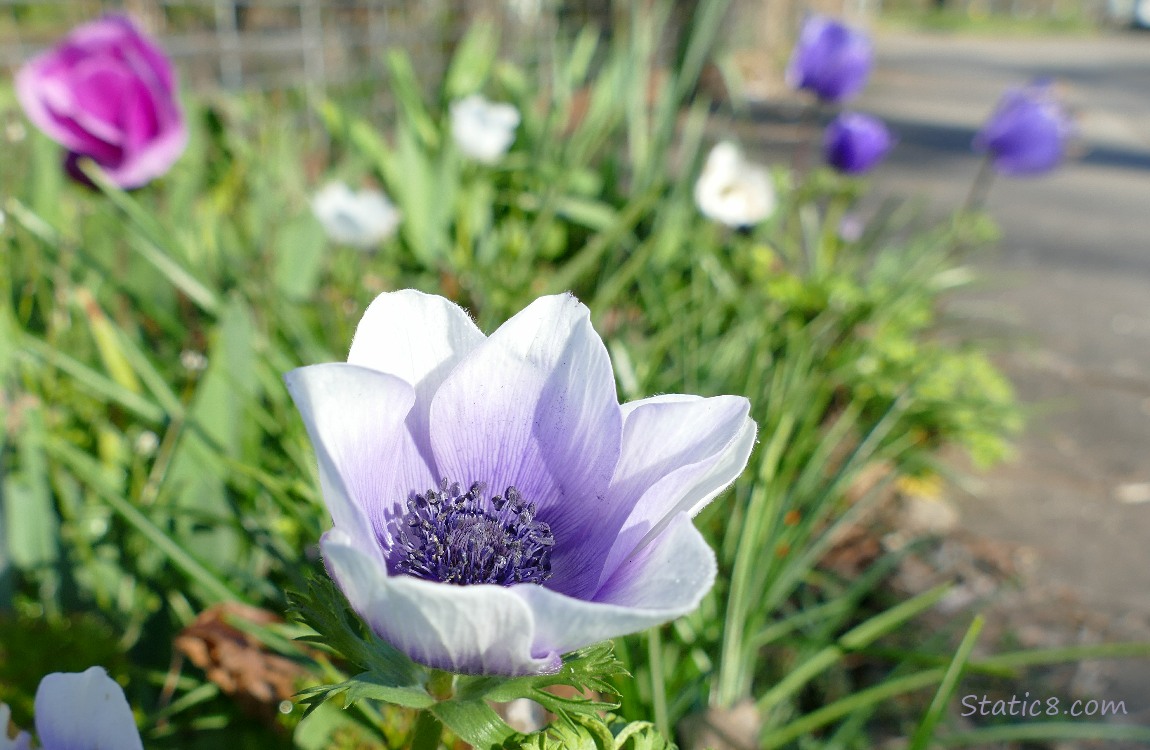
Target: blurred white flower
(362,219)
(77,711)
(483,130)
(733,191)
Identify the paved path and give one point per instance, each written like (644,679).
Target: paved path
(1071,283)
(1072,278)
(1068,292)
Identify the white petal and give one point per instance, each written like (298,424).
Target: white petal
(84,711)
(361,219)
(667,579)
(732,191)
(367,459)
(678,453)
(481,129)
(417,337)
(535,407)
(22,740)
(481,629)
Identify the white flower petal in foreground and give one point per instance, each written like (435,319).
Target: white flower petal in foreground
(78,711)
(483,130)
(494,506)
(733,191)
(22,740)
(362,219)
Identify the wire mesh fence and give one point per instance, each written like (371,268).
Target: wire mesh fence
(272,44)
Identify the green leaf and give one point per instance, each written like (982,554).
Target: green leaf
(588,669)
(923,735)
(641,735)
(472,61)
(299,254)
(474,722)
(30,520)
(324,609)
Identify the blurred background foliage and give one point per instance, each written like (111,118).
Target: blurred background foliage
(153,466)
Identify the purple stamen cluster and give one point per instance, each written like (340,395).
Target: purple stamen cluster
(456,537)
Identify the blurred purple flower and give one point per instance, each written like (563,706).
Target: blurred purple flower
(854,143)
(493,504)
(831,60)
(107,92)
(1028,131)
(77,711)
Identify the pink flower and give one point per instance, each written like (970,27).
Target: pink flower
(107,92)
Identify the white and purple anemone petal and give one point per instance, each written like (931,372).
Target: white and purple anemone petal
(679,452)
(419,338)
(84,711)
(368,463)
(493,504)
(481,629)
(666,579)
(534,407)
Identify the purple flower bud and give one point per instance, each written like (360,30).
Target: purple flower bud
(854,142)
(831,59)
(1027,133)
(107,92)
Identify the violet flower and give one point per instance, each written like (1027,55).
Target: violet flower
(77,711)
(831,60)
(493,505)
(1027,133)
(483,130)
(853,143)
(733,191)
(107,92)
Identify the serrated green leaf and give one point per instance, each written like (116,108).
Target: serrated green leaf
(376,687)
(323,608)
(588,669)
(641,735)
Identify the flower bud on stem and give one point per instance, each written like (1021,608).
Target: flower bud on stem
(441,685)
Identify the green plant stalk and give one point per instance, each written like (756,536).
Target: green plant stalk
(732,680)
(988,736)
(863,699)
(658,680)
(427,731)
(923,735)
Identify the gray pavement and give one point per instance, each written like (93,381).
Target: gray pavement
(1070,287)
(1071,280)
(1067,294)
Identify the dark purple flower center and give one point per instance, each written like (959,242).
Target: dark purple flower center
(456,537)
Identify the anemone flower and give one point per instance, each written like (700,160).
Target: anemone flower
(107,92)
(77,711)
(1027,133)
(362,219)
(732,191)
(854,143)
(483,130)
(831,60)
(493,504)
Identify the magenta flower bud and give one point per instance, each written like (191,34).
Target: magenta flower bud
(854,143)
(1027,133)
(831,60)
(107,92)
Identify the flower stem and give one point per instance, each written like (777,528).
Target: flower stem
(425,735)
(979,188)
(658,682)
